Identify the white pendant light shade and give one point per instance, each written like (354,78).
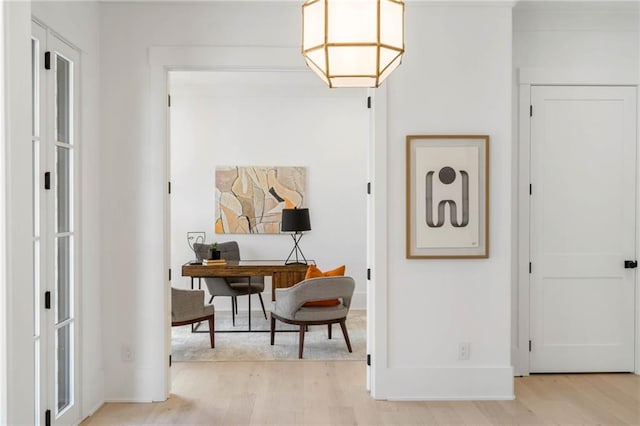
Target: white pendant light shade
(353,43)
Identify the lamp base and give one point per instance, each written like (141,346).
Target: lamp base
(296,250)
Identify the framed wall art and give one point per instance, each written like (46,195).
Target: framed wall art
(447,196)
(249,200)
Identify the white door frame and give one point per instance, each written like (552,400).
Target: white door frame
(3,238)
(528,77)
(282,59)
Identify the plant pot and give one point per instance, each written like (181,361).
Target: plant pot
(215,254)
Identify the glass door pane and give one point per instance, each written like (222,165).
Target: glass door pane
(64,234)
(64,370)
(63,188)
(63,279)
(63,99)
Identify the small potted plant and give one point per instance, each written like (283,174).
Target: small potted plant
(215,253)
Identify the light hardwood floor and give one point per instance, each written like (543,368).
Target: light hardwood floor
(332,393)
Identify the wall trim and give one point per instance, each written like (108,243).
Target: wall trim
(3,238)
(576,76)
(377,244)
(567,77)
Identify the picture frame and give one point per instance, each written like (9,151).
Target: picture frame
(447,196)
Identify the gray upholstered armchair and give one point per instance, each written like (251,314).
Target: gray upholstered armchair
(187,307)
(289,307)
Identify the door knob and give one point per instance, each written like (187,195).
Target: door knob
(630,264)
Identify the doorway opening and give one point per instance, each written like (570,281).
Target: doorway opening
(268,119)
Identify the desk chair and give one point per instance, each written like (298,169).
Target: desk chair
(232,286)
(187,307)
(289,306)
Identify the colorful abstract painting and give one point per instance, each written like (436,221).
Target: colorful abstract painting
(249,200)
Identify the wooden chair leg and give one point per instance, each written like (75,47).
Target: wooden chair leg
(273,329)
(301,343)
(329,330)
(343,326)
(211,332)
(262,303)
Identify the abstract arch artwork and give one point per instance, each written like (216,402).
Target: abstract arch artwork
(249,200)
(447,196)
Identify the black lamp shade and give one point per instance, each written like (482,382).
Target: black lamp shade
(295,220)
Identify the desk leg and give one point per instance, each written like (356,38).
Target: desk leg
(249,291)
(195,326)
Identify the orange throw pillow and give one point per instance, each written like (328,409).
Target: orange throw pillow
(314,272)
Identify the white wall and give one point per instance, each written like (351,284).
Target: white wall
(271,118)
(456,78)
(19,302)
(78,24)
(583,36)
(587,39)
(134,173)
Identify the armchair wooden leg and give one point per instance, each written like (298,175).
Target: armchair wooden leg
(211,332)
(273,329)
(329,330)
(343,326)
(301,344)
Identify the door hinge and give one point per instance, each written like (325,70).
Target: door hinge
(169,274)
(369,359)
(47,180)
(169,360)
(630,264)
(529,345)
(529,267)
(169,101)
(47,418)
(169,187)
(47,300)
(368,101)
(47,60)
(368,187)
(368,273)
(530,110)
(530,189)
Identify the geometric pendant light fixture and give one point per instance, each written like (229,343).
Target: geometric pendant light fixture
(353,43)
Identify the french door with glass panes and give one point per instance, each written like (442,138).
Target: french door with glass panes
(54,145)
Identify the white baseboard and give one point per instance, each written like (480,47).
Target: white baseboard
(444,384)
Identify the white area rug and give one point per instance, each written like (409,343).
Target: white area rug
(187,346)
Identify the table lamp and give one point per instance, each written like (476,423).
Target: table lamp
(295,221)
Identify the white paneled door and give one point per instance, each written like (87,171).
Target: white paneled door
(583,228)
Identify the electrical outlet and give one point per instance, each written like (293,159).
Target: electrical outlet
(464,350)
(126,352)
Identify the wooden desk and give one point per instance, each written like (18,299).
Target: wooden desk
(282,276)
